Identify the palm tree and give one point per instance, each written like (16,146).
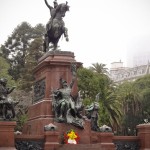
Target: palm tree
(99,68)
(92,83)
(110,112)
(131,106)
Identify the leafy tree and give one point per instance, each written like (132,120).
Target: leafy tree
(91,83)
(4,67)
(143,82)
(143,86)
(134,97)
(146,103)
(25,100)
(21,120)
(16,46)
(131,107)
(38,31)
(34,53)
(110,112)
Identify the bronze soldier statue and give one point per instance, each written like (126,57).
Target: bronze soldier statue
(65,107)
(5,103)
(92,113)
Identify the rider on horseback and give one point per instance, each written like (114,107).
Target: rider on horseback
(52,13)
(55,26)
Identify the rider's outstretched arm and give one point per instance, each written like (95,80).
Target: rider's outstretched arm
(50,7)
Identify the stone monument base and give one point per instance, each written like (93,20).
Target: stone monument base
(144,136)
(84,134)
(7,140)
(7,148)
(52,66)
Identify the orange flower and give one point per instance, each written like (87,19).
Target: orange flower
(71,137)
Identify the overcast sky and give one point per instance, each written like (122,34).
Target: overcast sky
(102,31)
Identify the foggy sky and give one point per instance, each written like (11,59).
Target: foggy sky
(100,31)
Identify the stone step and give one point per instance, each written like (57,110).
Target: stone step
(81,147)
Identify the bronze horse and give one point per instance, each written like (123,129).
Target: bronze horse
(56,27)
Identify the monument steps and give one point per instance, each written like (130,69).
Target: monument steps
(81,147)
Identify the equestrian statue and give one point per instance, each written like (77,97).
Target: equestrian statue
(55,27)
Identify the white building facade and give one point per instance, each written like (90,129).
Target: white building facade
(119,74)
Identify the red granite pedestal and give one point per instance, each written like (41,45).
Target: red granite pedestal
(7,140)
(51,67)
(51,140)
(144,136)
(84,134)
(105,139)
